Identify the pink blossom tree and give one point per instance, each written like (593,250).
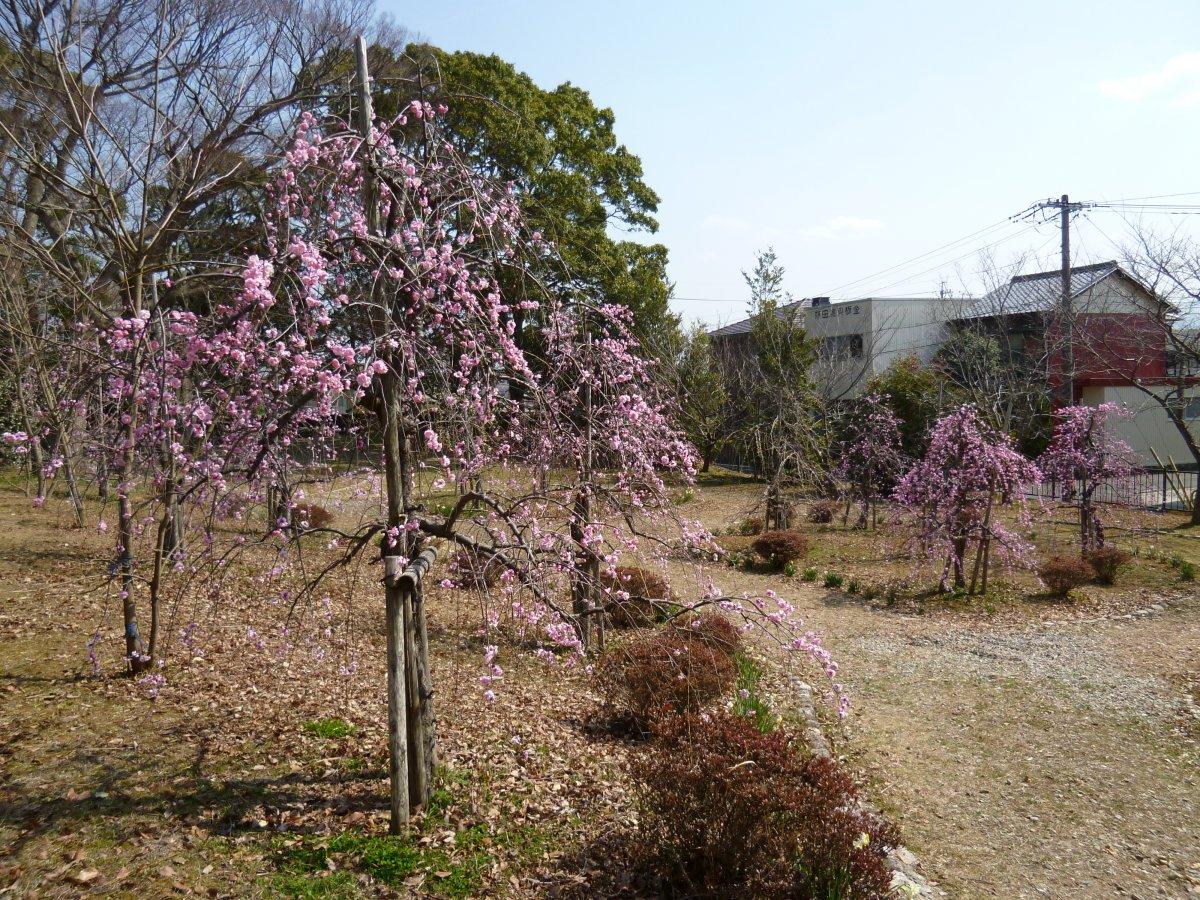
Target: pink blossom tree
(203,407)
(1083,454)
(406,253)
(872,457)
(968,472)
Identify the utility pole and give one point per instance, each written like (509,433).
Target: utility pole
(1068,329)
(1066,313)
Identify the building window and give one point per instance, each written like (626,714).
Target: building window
(842,346)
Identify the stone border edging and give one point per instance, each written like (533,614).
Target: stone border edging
(907,880)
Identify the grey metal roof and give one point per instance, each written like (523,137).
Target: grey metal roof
(1038,292)
(743,327)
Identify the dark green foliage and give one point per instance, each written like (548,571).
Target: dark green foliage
(753,525)
(834,579)
(560,151)
(913,391)
(706,412)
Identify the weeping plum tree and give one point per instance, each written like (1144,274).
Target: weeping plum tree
(206,407)
(968,473)
(402,249)
(872,457)
(1083,453)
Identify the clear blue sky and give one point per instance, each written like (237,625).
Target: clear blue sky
(856,135)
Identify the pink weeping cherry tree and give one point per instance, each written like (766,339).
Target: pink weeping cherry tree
(202,411)
(969,473)
(872,458)
(484,385)
(1083,454)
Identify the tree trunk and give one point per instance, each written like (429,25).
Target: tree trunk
(580,588)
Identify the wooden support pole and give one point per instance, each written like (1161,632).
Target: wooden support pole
(422,757)
(397,700)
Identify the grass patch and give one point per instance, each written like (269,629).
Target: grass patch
(452,871)
(747,701)
(328,728)
(332,886)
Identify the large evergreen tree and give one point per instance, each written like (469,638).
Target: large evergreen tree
(576,182)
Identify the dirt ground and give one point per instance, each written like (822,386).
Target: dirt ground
(1030,750)
(1037,750)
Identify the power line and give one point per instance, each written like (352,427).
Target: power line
(1128,204)
(916,259)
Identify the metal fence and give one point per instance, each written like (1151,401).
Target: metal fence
(1160,489)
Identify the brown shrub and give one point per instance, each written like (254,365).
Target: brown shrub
(311,515)
(710,627)
(726,810)
(648,592)
(753,525)
(473,572)
(665,672)
(1108,563)
(781,547)
(822,512)
(1062,573)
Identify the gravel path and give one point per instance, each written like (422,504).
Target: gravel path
(1056,762)
(1049,759)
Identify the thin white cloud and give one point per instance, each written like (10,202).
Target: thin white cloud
(842,225)
(725,223)
(1177,82)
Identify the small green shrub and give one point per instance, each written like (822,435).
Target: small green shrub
(747,701)
(790,569)
(1176,560)
(1187,571)
(328,728)
(753,525)
(833,579)
(852,586)
(687,495)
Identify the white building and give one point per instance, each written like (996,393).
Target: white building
(861,338)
